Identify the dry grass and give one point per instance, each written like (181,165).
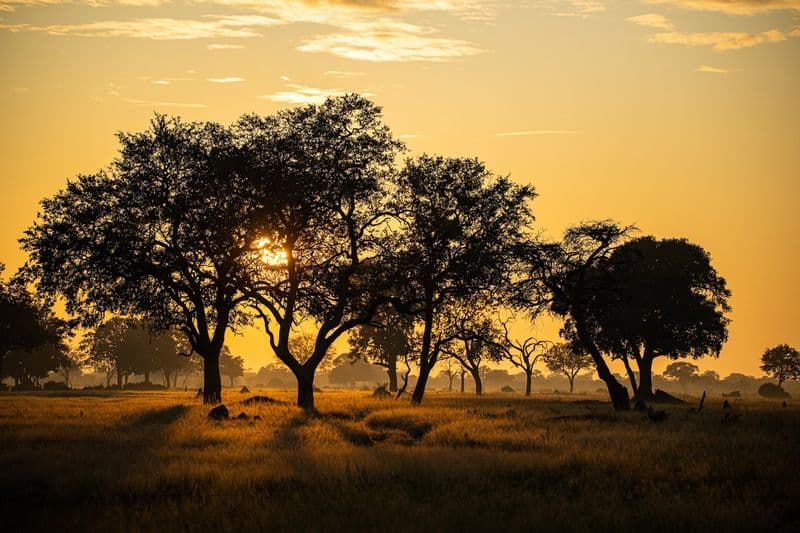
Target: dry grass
(153,462)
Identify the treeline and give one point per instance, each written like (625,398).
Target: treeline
(311,216)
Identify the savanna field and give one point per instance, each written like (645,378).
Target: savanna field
(153,461)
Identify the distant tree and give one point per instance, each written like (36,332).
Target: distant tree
(27,368)
(523,354)
(474,342)
(451,370)
(781,362)
(120,347)
(567,359)
(657,298)
(348,370)
(561,277)
(72,362)
(321,175)
(682,372)
(26,322)
(383,341)
(157,235)
(460,227)
(230,365)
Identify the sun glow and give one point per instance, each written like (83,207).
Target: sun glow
(271,254)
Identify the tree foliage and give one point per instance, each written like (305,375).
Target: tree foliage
(781,362)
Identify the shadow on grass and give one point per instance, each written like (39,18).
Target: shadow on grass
(168,415)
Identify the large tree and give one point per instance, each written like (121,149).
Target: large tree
(320,177)
(460,226)
(26,322)
(659,298)
(384,341)
(156,235)
(562,278)
(782,362)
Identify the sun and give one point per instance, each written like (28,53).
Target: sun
(270,253)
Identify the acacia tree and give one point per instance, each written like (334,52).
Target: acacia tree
(782,362)
(523,354)
(567,359)
(460,226)
(320,176)
(474,341)
(661,298)
(384,341)
(562,277)
(156,235)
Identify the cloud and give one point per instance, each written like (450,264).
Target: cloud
(711,70)
(224,46)
(526,133)
(652,20)
(387,40)
(344,73)
(720,41)
(574,8)
(301,94)
(734,7)
(149,103)
(160,82)
(235,26)
(225,80)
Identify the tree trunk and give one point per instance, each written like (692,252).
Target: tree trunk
(631,375)
(571,383)
(528,379)
(422,382)
(212,381)
(119,379)
(391,369)
(305,388)
(462,380)
(450,377)
(147,377)
(645,391)
(476,377)
(616,391)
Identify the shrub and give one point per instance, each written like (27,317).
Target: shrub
(507,388)
(770,390)
(55,385)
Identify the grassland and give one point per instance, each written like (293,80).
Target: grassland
(154,462)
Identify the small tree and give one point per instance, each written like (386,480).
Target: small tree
(522,354)
(781,362)
(567,359)
(384,341)
(230,365)
(474,341)
(682,372)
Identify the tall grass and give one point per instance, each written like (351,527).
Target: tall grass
(152,461)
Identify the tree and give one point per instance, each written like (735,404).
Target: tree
(561,277)
(474,341)
(522,354)
(660,298)
(682,372)
(231,365)
(156,235)
(72,361)
(107,349)
(459,228)
(781,362)
(25,322)
(320,176)
(567,359)
(383,341)
(27,368)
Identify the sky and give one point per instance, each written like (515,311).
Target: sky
(679,116)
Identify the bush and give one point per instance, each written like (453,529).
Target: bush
(507,388)
(55,385)
(770,390)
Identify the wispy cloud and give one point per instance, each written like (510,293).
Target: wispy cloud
(235,26)
(344,73)
(720,41)
(150,103)
(301,94)
(575,8)
(734,7)
(386,40)
(526,133)
(652,20)
(711,70)
(224,46)
(160,82)
(231,79)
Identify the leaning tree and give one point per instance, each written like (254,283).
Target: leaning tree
(156,235)
(320,176)
(561,277)
(460,227)
(660,298)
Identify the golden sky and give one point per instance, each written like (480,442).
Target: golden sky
(679,116)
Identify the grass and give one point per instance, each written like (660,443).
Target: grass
(151,461)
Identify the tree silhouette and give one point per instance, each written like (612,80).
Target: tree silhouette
(320,176)
(384,341)
(562,278)
(474,341)
(567,359)
(523,354)
(782,362)
(659,298)
(683,372)
(231,365)
(459,228)
(156,235)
